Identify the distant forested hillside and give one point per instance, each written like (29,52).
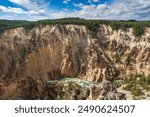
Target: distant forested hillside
(92,25)
(10,24)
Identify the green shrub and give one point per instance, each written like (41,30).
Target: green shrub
(117,83)
(137,92)
(148,80)
(134,82)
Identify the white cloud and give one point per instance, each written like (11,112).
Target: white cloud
(118,9)
(33,6)
(102,7)
(34,10)
(11,9)
(66,1)
(90,1)
(127,9)
(25,3)
(85,7)
(19,11)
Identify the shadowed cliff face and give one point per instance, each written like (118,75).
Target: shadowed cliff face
(54,52)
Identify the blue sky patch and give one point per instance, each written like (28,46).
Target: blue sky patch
(88,9)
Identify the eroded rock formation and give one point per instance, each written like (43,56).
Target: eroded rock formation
(54,52)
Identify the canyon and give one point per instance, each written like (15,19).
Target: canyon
(39,63)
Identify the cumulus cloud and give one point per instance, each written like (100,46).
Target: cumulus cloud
(29,4)
(11,9)
(66,1)
(19,11)
(119,9)
(33,5)
(101,7)
(90,1)
(33,10)
(127,9)
(85,7)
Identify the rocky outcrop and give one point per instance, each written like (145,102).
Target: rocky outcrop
(54,52)
(66,88)
(75,89)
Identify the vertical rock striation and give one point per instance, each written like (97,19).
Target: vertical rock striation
(53,52)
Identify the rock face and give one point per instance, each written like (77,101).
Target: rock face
(55,52)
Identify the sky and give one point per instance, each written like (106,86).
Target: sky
(89,9)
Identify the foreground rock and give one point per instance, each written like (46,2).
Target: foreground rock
(67,88)
(72,88)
